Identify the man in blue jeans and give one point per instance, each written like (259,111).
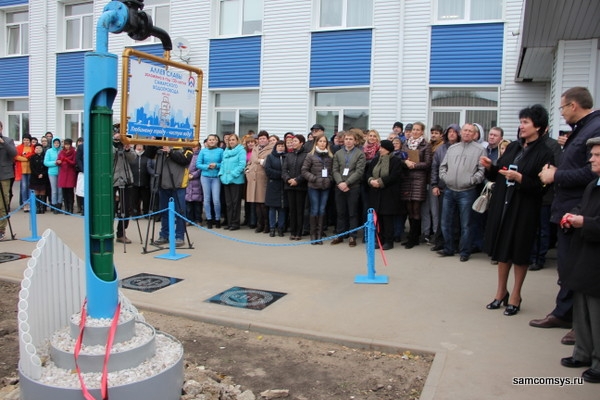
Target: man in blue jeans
(461,172)
(171,167)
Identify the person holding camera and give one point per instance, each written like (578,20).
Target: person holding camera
(122,181)
(8,151)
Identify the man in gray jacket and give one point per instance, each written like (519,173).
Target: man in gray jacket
(461,172)
(8,151)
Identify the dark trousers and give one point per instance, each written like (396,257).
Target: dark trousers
(564,299)
(386,228)
(233,204)
(296,201)
(122,207)
(586,322)
(347,210)
(140,199)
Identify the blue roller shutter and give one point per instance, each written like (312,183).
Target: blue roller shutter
(69,73)
(14,75)
(234,63)
(341,58)
(466,54)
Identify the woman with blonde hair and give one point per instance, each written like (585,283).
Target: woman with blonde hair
(414,187)
(317,171)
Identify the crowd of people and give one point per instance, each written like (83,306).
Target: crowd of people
(421,186)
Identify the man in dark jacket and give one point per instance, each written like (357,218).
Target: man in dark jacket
(171,167)
(570,179)
(8,151)
(583,224)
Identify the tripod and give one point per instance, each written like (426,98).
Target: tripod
(122,196)
(6,211)
(155,187)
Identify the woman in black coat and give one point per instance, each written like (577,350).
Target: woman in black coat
(275,198)
(295,185)
(516,200)
(384,174)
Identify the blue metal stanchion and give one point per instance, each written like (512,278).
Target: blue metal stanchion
(370,245)
(32,218)
(172,255)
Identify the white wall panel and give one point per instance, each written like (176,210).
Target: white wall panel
(385,71)
(285,98)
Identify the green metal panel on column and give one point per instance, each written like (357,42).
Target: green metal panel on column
(101,194)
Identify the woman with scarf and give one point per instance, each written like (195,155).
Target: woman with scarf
(414,187)
(67,174)
(317,171)
(516,201)
(275,197)
(295,185)
(257,180)
(209,162)
(371,150)
(232,179)
(384,174)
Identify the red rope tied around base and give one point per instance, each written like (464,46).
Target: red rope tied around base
(109,342)
(376,222)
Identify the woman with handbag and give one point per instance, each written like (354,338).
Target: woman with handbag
(514,210)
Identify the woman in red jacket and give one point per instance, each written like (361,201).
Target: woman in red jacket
(67,174)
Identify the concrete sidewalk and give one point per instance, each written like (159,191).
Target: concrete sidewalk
(431,304)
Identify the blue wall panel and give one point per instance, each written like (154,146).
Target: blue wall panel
(6,3)
(234,62)
(14,75)
(466,54)
(69,73)
(341,58)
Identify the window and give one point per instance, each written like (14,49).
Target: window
(17,33)
(79,26)
(240,17)
(73,117)
(458,106)
(468,10)
(159,11)
(236,112)
(345,13)
(18,118)
(342,110)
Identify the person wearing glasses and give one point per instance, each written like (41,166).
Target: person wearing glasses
(571,177)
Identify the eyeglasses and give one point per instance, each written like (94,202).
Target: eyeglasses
(563,106)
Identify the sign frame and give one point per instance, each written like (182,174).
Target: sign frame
(127,138)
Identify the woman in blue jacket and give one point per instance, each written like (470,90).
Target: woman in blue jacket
(50,161)
(232,178)
(209,163)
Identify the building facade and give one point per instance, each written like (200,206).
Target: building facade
(282,65)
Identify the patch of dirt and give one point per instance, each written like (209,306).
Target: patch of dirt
(308,369)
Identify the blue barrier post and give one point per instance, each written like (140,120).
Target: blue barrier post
(32,218)
(370,245)
(172,255)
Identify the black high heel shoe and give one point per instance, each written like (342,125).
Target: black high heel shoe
(494,305)
(512,310)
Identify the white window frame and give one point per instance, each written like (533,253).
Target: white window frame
(340,109)
(78,113)
(150,8)
(21,115)
(239,29)
(467,14)
(235,109)
(23,32)
(461,109)
(86,26)
(344,23)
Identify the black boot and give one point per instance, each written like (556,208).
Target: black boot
(272,232)
(414,233)
(313,228)
(320,222)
